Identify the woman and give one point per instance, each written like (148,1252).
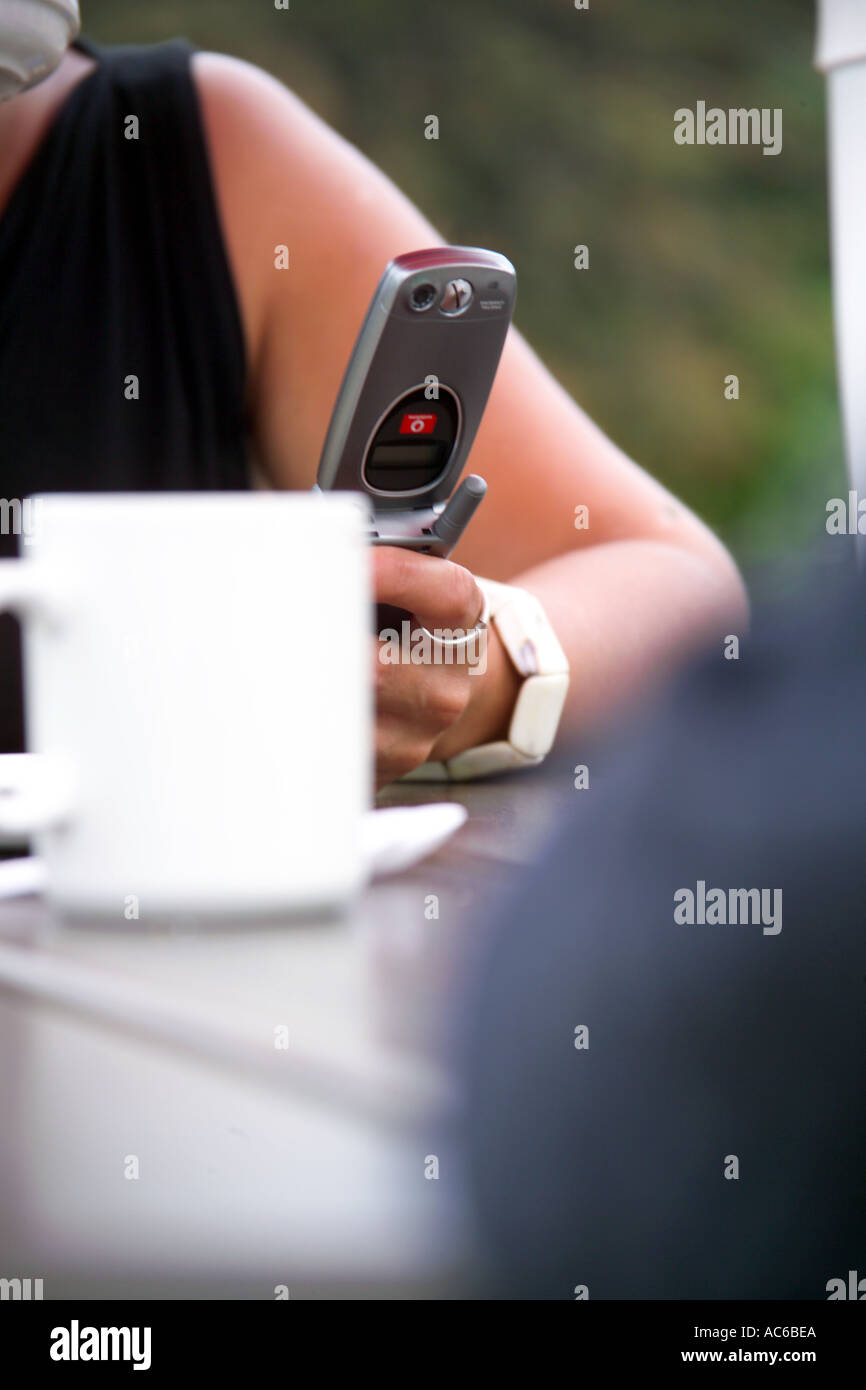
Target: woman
(148,339)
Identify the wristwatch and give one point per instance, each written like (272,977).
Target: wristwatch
(535,652)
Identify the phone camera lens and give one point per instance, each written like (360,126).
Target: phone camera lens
(422,297)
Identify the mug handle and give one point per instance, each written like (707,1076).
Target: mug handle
(33,796)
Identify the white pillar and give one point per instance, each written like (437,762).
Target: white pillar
(841,56)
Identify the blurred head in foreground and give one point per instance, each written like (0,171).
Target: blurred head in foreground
(667,1071)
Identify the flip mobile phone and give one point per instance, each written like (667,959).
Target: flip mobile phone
(414,393)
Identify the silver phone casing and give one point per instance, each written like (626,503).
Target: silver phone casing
(397,351)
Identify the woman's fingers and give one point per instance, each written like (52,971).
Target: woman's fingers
(438,592)
(415,705)
(417,701)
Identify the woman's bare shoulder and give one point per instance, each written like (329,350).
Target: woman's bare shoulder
(286,179)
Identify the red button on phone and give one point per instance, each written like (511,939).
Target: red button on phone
(417,424)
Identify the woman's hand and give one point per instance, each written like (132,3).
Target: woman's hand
(431,711)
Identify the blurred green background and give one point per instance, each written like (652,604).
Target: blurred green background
(556,128)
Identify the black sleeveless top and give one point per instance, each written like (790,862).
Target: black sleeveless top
(113,267)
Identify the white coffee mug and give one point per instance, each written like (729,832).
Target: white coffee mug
(196,672)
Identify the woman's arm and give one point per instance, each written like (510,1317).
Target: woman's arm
(629,592)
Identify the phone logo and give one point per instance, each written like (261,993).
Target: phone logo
(413,423)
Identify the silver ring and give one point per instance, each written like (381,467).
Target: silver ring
(457,643)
